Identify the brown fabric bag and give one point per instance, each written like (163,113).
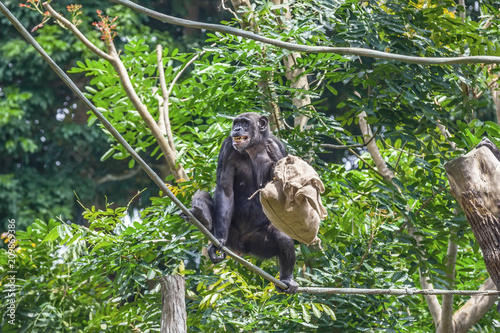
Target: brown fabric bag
(292,200)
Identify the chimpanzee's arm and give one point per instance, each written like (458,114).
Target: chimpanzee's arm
(224,196)
(280,150)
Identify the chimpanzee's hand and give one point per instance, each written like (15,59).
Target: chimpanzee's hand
(292,286)
(212,252)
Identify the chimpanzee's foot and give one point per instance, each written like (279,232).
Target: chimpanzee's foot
(292,286)
(212,253)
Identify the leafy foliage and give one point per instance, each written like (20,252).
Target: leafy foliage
(115,263)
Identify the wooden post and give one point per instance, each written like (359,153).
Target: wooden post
(475,183)
(173,312)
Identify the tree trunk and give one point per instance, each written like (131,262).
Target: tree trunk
(173,312)
(474,309)
(475,183)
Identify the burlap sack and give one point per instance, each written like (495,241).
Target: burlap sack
(292,200)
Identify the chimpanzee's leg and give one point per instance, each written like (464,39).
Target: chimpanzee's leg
(485,142)
(202,207)
(287,262)
(267,242)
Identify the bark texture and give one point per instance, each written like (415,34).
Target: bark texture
(173,312)
(475,183)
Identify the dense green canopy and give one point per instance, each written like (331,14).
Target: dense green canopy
(391,218)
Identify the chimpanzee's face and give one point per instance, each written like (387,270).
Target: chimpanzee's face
(248,130)
(241,133)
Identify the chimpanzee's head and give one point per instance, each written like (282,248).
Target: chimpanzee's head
(249,129)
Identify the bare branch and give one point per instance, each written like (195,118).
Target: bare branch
(444,131)
(113,178)
(314,49)
(373,149)
(178,75)
(364,161)
(114,59)
(495,95)
(223,5)
(161,76)
(245,23)
(431,300)
(164,110)
(446,323)
(474,309)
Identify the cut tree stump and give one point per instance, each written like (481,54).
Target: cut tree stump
(475,183)
(173,312)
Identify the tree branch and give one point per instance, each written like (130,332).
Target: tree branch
(163,87)
(166,92)
(113,178)
(373,149)
(356,51)
(223,5)
(113,58)
(446,323)
(495,95)
(164,110)
(431,300)
(474,309)
(68,25)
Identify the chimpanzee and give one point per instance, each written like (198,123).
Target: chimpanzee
(245,164)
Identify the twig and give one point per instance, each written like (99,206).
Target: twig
(223,5)
(327,145)
(110,177)
(68,25)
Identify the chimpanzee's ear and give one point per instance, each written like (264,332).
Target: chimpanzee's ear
(263,122)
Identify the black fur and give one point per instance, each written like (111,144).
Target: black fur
(244,166)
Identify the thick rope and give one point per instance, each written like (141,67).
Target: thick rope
(194,220)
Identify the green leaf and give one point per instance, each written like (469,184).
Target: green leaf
(151,274)
(100,245)
(52,235)
(107,154)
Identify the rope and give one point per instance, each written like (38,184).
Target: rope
(194,220)
(403,291)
